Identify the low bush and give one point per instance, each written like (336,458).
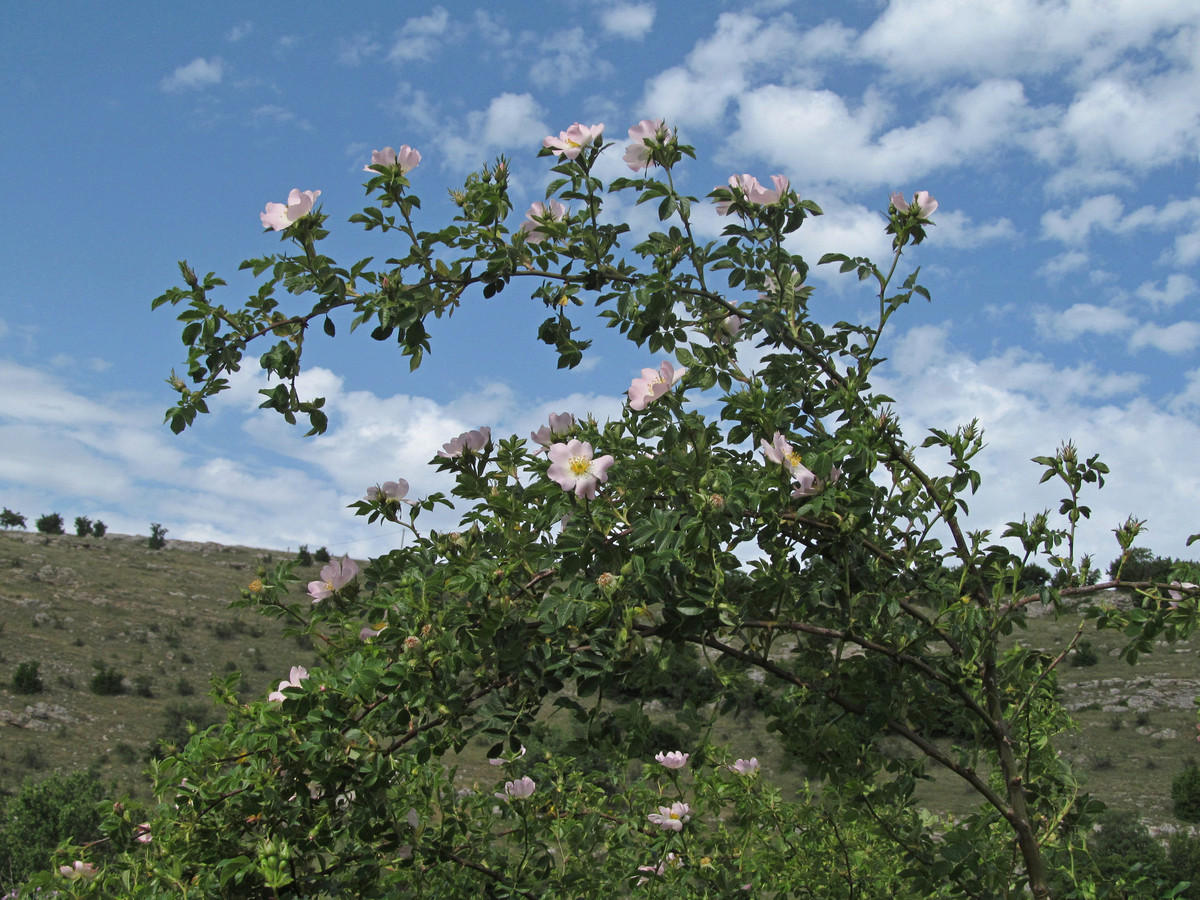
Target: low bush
(26,680)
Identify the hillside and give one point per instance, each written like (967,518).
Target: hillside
(161,619)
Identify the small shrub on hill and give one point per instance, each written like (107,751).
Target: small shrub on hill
(158,537)
(321,555)
(303,557)
(26,680)
(10,519)
(107,681)
(83,526)
(1084,655)
(1185,793)
(51,523)
(99,529)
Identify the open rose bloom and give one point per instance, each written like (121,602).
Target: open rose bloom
(574,469)
(540,215)
(405,159)
(780,452)
(334,577)
(652,384)
(473,441)
(297,675)
(569,143)
(637,153)
(278,216)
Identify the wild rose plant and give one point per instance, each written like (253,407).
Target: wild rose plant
(871,613)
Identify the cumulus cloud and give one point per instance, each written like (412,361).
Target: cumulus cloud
(628,20)
(1178,287)
(196,75)
(420,37)
(357,49)
(1180,337)
(511,121)
(564,59)
(1083,318)
(1028,406)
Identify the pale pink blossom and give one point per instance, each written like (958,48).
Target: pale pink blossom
(395,491)
(673,760)
(297,675)
(473,441)
(371,631)
(745,766)
(405,159)
(518,790)
(560,424)
(922,204)
(1178,588)
(780,452)
(574,469)
(653,384)
(637,154)
(78,869)
(671,861)
(335,576)
(505,760)
(671,818)
(541,214)
(752,191)
(143,833)
(569,143)
(730,326)
(278,216)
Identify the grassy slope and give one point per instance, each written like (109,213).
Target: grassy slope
(162,616)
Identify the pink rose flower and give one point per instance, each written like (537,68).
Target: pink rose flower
(405,159)
(334,577)
(78,869)
(752,191)
(573,468)
(671,818)
(278,216)
(297,675)
(922,204)
(518,790)
(560,424)
(142,836)
(541,214)
(637,154)
(473,441)
(653,384)
(673,760)
(395,491)
(745,766)
(569,143)
(780,452)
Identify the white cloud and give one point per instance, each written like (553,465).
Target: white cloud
(1073,227)
(955,229)
(1177,288)
(1063,264)
(278,115)
(196,75)
(1028,406)
(926,41)
(564,59)
(239,31)
(1081,319)
(355,50)
(420,37)
(511,121)
(1181,337)
(628,20)
(815,132)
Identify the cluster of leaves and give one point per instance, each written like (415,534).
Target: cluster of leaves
(42,815)
(856,596)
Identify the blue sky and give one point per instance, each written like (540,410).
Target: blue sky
(1061,139)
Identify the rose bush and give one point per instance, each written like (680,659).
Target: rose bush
(833,567)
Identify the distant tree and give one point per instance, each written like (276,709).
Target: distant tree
(51,523)
(1140,564)
(10,519)
(158,535)
(99,529)
(40,817)
(303,557)
(83,526)
(321,555)
(107,681)
(25,679)
(1185,793)
(1033,578)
